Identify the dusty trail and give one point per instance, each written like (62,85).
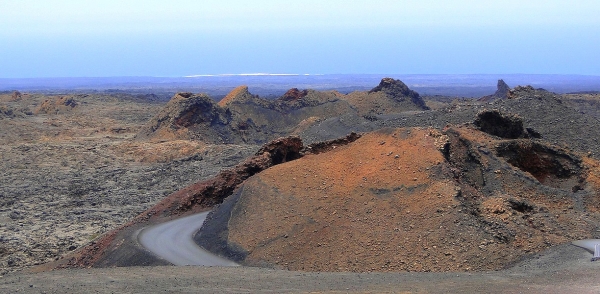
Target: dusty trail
(173,242)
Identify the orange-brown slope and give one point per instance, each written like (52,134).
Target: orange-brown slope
(359,207)
(392,201)
(238,93)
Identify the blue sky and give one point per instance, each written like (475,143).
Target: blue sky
(178,37)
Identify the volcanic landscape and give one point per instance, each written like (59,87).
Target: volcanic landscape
(311,182)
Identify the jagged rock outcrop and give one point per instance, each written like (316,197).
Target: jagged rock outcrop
(390,96)
(191,116)
(502,90)
(398,91)
(59,104)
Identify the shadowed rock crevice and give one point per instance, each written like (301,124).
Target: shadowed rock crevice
(552,167)
(213,236)
(520,205)
(459,153)
(504,126)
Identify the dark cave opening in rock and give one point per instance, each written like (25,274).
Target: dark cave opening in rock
(551,167)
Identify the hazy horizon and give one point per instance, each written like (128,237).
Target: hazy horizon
(182,37)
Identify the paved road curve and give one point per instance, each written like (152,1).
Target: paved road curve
(588,244)
(173,242)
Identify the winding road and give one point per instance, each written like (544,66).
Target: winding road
(588,244)
(173,241)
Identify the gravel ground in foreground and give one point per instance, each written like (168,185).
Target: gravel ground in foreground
(561,269)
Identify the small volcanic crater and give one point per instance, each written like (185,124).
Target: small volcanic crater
(497,124)
(551,167)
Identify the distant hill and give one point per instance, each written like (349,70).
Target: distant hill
(242,117)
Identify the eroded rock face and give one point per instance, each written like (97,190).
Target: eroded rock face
(191,116)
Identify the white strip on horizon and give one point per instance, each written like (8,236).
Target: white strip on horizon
(249,75)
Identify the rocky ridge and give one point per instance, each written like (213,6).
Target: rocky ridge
(245,118)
